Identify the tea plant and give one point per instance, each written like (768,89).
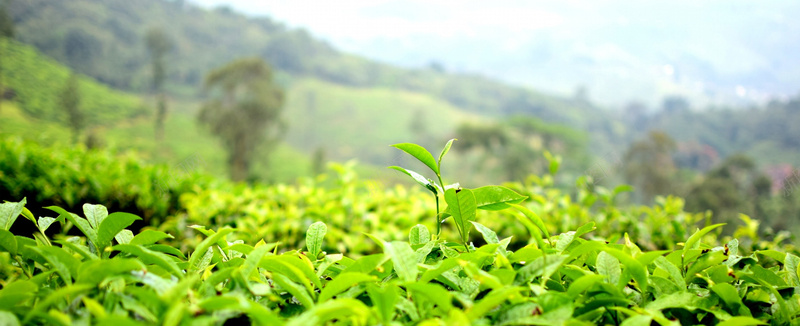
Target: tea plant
(576,277)
(463,204)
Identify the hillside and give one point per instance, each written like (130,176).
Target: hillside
(103,39)
(34,81)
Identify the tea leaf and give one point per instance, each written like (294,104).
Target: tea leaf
(418,235)
(420,153)
(463,208)
(314,236)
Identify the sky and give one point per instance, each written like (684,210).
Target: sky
(715,50)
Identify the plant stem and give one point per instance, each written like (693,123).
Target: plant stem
(22,266)
(438,216)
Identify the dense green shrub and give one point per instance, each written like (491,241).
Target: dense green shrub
(69,177)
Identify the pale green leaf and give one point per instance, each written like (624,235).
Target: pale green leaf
(314,236)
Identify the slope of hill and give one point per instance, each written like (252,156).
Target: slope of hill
(34,81)
(104,39)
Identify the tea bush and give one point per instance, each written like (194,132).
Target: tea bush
(562,271)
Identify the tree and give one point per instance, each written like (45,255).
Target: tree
(70,101)
(244,111)
(6,31)
(158,45)
(649,165)
(6,23)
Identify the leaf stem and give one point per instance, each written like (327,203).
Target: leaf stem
(22,266)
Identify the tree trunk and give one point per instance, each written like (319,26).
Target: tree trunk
(161,115)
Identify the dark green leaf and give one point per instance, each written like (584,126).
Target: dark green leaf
(463,209)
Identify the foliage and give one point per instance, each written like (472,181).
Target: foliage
(36,81)
(70,102)
(649,165)
(245,112)
(207,38)
(111,274)
(72,176)
(158,45)
(6,23)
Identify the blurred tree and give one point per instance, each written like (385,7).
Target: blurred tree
(318,161)
(648,165)
(6,31)
(70,101)
(674,104)
(244,110)
(81,48)
(731,188)
(158,45)
(6,23)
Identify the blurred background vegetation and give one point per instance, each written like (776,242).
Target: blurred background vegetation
(170,82)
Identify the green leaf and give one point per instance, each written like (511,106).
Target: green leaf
(16,293)
(148,237)
(543,266)
(418,178)
(61,261)
(124,236)
(444,151)
(730,296)
(742,321)
(95,271)
(148,256)
(792,264)
(431,292)
(79,222)
(9,212)
(314,236)
(95,214)
(347,311)
(8,242)
(533,217)
(292,267)
(492,300)
(494,198)
(295,289)
(8,319)
(608,266)
(404,260)
(673,271)
(111,225)
(383,299)
(692,243)
(254,259)
(341,283)
(632,266)
(584,283)
(64,293)
(203,247)
(420,153)
(488,235)
(419,235)
(45,223)
(78,248)
(463,209)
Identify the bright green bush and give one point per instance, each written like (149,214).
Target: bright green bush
(594,273)
(68,177)
(36,80)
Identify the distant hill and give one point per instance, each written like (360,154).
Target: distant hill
(34,81)
(103,39)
